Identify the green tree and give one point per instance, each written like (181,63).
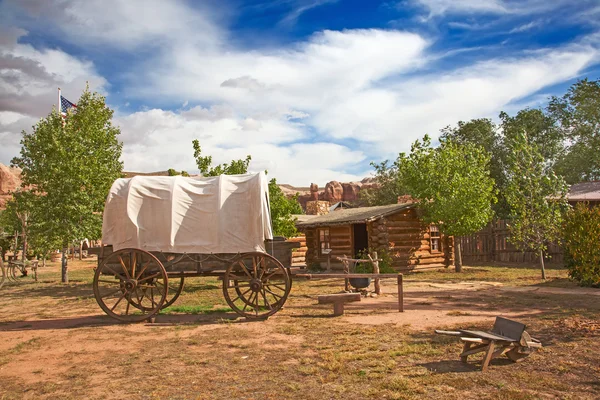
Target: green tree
(582,253)
(18,215)
(172,172)
(71,163)
(578,116)
(542,132)
(483,132)
(282,208)
(536,196)
(389,185)
(452,185)
(204,164)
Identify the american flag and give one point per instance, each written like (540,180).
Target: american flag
(65,105)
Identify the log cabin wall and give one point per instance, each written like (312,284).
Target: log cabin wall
(340,242)
(407,240)
(402,235)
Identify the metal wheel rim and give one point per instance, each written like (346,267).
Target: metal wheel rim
(175,288)
(138,289)
(256,285)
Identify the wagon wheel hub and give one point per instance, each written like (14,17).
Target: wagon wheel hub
(130,284)
(256,285)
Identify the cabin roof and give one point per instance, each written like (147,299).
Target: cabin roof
(353,215)
(584,191)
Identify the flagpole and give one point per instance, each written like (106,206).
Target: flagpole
(59,108)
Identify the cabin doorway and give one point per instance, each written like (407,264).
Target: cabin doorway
(361,238)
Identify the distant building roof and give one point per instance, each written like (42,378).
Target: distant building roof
(340,205)
(353,215)
(584,191)
(303,217)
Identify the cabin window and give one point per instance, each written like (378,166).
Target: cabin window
(435,238)
(324,240)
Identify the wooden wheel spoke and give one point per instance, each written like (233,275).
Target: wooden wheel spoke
(273,294)
(264,295)
(109,282)
(239,286)
(245,269)
(111,270)
(143,269)
(240,296)
(264,267)
(276,285)
(152,297)
(118,301)
(124,268)
(112,293)
(270,275)
(127,306)
(149,277)
(133,263)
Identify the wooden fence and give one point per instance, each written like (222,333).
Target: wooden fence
(491,245)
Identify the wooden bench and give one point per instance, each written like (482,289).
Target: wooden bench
(506,337)
(398,277)
(338,301)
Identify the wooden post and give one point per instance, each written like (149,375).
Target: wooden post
(375,262)
(329,262)
(80,250)
(346,271)
(400,294)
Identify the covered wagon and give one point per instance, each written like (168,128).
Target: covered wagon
(159,230)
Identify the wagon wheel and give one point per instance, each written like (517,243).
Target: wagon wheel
(12,272)
(175,288)
(256,285)
(130,285)
(2,273)
(238,286)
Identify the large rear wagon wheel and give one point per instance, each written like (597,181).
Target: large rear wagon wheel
(131,285)
(256,285)
(175,289)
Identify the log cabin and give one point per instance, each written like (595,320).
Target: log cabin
(395,228)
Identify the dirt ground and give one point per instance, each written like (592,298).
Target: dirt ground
(56,343)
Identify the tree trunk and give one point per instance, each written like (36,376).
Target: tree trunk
(458,257)
(64,274)
(80,250)
(542,265)
(24,255)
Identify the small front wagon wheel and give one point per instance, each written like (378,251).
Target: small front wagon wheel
(256,285)
(130,285)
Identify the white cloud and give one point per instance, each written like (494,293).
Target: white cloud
(287,106)
(439,7)
(29,79)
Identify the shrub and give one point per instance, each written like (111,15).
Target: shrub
(582,252)
(385,266)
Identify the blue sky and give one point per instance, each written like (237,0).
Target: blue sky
(313,89)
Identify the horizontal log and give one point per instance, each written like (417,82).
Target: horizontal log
(405,224)
(342,275)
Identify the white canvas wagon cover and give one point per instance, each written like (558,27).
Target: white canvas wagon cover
(222,214)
